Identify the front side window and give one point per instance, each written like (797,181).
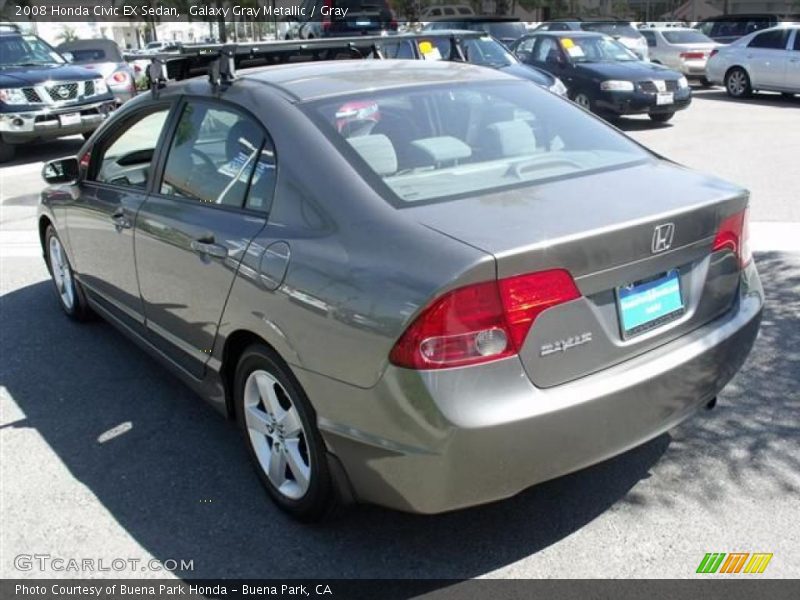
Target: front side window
(125,158)
(772,40)
(216,156)
(454,140)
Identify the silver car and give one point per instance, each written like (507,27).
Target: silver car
(767,60)
(683,49)
(422,284)
(105,57)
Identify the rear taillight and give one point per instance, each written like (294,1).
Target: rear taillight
(692,55)
(85,159)
(327,9)
(480,322)
(734,235)
(119,77)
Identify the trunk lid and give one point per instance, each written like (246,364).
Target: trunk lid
(601,228)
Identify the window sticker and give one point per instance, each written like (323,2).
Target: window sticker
(429,51)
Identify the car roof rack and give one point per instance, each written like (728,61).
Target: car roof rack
(221,61)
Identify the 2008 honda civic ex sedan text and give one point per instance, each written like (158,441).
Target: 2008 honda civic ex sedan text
(425,285)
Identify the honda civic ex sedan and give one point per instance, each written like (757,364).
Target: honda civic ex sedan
(426,285)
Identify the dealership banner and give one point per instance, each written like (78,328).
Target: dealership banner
(410,11)
(395,589)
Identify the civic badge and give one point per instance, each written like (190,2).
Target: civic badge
(662,237)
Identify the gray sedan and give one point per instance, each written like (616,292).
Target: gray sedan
(426,285)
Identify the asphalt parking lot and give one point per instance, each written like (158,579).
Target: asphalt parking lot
(105,455)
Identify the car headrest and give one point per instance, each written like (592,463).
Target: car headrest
(242,138)
(442,149)
(378,152)
(510,138)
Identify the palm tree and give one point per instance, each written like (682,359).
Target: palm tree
(67,34)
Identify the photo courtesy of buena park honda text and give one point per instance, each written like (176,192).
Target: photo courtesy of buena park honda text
(394,299)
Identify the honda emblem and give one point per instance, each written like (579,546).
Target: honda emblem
(662,237)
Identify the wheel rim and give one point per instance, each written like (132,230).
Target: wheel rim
(62,275)
(582,100)
(737,83)
(277,434)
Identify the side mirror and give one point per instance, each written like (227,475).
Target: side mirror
(61,170)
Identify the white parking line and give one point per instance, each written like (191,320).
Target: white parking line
(764,237)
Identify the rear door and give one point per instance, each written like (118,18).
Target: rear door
(193,230)
(768,58)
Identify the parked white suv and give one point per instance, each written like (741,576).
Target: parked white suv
(767,60)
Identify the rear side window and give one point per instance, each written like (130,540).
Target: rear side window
(458,140)
(220,156)
(775,40)
(651,38)
(125,157)
(797,39)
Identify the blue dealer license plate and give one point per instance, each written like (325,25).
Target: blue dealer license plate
(648,304)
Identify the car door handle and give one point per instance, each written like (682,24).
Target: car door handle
(206,245)
(120,220)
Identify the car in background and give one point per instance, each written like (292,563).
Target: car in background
(507,30)
(729,28)
(446,11)
(683,49)
(605,77)
(105,57)
(767,60)
(475,47)
(42,96)
(363,17)
(487,289)
(622,31)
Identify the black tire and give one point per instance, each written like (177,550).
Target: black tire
(78,309)
(737,83)
(705,82)
(7,151)
(661,117)
(319,500)
(584,100)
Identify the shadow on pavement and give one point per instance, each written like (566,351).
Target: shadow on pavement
(178,480)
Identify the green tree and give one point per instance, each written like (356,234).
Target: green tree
(67,34)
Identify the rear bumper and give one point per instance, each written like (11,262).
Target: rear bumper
(26,126)
(435,441)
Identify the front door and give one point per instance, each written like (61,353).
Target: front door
(194,229)
(100,222)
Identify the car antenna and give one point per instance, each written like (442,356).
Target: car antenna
(223,70)
(157,75)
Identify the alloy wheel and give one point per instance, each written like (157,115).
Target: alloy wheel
(277,435)
(62,274)
(737,83)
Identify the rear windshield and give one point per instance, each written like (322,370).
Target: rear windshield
(86,55)
(686,37)
(456,140)
(613,29)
